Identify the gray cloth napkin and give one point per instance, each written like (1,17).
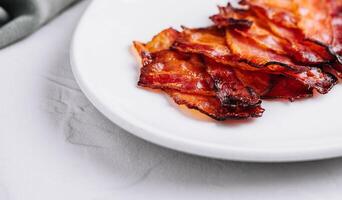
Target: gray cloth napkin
(19,18)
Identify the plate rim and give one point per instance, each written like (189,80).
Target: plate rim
(186,145)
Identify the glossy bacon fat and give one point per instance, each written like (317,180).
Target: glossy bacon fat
(279,49)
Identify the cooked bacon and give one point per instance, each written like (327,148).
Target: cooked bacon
(315,23)
(162,41)
(254,31)
(212,107)
(269,35)
(172,70)
(287,88)
(308,19)
(233,18)
(315,19)
(212,43)
(269,86)
(245,88)
(246,54)
(231,91)
(167,69)
(261,83)
(294,16)
(337,69)
(209,41)
(267,49)
(336,13)
(185,79)
(247,50)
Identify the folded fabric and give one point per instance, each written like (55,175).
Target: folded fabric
(19,18)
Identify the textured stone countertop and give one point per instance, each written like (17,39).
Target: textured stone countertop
(55,145)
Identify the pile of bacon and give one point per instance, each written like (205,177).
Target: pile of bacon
(260,49)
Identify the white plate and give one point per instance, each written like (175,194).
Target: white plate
(107,72)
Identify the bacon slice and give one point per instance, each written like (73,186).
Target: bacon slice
(233,18)
(270,36)
(269,49)
(315,23)
(315,19)
(246,54)
(209,41)
(235,85)
(212,107)
(287,88)
(186,73)
(337,69)
(269,86)
(255,31)
(304,18)
(309,21)
(184,77)
(166,69)
(172,70)
(247,50)
(336,13)
(261,83)
(162,41)
(230,89)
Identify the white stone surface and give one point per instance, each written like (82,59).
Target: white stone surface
(55,145)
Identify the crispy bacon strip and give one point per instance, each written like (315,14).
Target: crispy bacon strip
(316,23)
(287,88)
(295,16)
(254,30)
(247,49)
(184,77)
(230,89)
(232,18)
(269,86)
(259,82)
(209,41)
(172,70)
(269,35)
(162,41)
(269,49)
(315,19)
(246,54)
(307,21)
(337,69)
(312,77)
(187,73)
(249,86)
(336,13)
(163,71)
(166,69)
(212,107)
